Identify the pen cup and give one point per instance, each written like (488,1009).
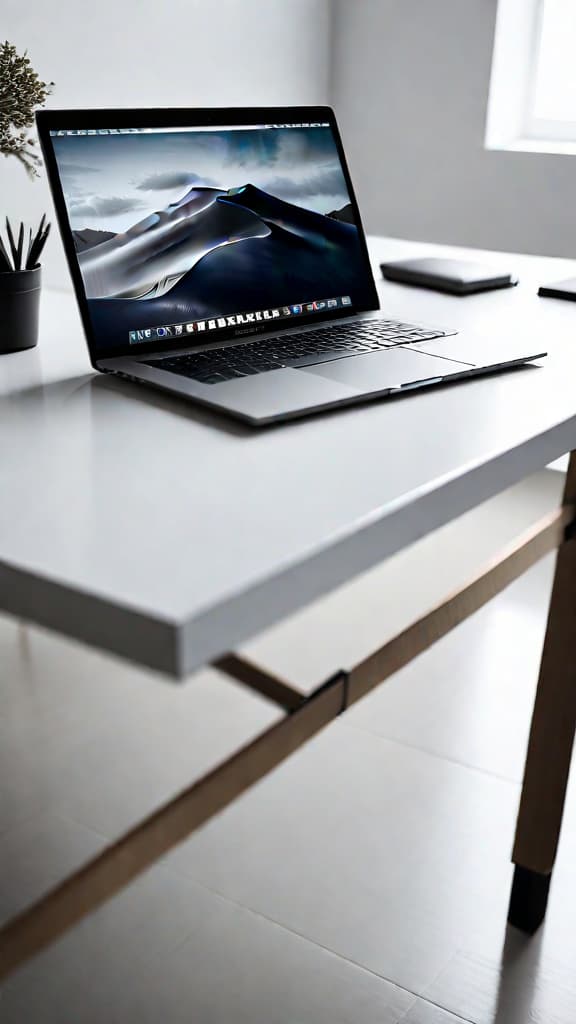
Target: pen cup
(19,309)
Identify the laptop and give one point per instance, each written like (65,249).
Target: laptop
(219,254)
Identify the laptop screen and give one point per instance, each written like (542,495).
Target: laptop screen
(184,235)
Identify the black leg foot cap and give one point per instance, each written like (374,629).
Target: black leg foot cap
(528,899)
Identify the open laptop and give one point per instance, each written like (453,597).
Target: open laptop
(219,254)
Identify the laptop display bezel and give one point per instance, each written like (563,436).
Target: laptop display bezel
(96,118)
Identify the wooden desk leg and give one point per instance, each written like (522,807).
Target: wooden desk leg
(550,744)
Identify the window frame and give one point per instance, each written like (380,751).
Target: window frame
(511,123)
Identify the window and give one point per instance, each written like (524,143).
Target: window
(532,104)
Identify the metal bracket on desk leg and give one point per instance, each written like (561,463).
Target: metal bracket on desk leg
(343,677)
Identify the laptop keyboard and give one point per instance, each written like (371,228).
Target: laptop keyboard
(319,345)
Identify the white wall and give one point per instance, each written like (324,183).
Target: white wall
(410,84)
(171,53)
(409,79)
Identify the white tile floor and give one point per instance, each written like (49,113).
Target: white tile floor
(364,882)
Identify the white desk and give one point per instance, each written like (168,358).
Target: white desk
(169,535)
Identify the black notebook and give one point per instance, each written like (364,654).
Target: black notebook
(459,277)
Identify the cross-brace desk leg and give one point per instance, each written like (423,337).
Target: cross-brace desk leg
(100,879)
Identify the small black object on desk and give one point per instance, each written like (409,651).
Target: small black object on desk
(458,277)
(560,290)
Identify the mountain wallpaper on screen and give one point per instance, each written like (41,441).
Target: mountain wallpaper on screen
(250,219)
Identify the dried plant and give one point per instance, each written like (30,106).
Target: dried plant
(21,92)
(13,257)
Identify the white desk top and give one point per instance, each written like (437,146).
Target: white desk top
(168,534)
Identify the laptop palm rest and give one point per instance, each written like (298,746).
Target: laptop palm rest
(394,368)
(478,350)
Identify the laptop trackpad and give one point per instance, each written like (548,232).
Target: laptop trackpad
(380,371)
